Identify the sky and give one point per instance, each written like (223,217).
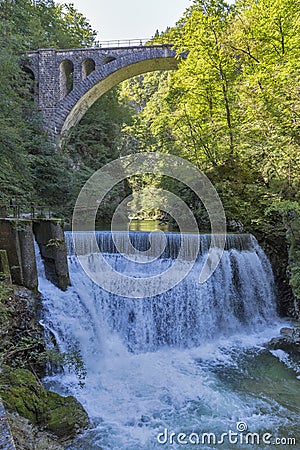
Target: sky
(130,19)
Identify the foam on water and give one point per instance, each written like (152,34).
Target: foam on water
(239,297)
(173,361)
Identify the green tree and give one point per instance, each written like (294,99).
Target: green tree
(29,169)
(15,171)
(265,38)
(232,107)
(96,140)
(202,95)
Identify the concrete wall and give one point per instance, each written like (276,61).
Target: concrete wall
(50,238)
(4,268)
(17,239)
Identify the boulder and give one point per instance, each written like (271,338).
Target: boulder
(21,392)
(289,341)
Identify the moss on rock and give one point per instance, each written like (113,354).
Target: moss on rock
(21,392)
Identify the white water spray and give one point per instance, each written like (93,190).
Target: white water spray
(148,360)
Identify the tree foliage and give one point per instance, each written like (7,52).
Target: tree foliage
(31,168)
(232,107)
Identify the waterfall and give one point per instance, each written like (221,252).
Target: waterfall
(165,244)
(239,297)
(189,359)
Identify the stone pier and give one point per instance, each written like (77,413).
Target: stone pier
(5,274)
(17,239)
(51,241)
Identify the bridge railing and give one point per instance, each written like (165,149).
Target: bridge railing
(18,210)
(122,43)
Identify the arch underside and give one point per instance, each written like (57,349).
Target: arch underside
(93,93)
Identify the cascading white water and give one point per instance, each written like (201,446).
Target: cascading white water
(238,297)
(148,360)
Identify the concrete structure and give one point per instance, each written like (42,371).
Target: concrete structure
(17,240)
(51,241)
(16,237)
(5,275)
(68,82)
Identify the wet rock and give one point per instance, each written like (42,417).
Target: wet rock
(21,392)
(6,439)
(29,437)
(276,248)
(289,341)
(292,334)
(235,226)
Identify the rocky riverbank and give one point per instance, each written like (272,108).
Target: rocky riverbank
(283,251)
(288,341)
(59,418)
(39,419)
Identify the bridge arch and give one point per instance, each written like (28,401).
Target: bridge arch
(93,72)
(66,77)
(79,101)
(108,59)
(30,80)
(88,66)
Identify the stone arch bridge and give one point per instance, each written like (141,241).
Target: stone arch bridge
(68,82)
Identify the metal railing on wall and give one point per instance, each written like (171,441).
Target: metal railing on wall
(25,211)
(122,43)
